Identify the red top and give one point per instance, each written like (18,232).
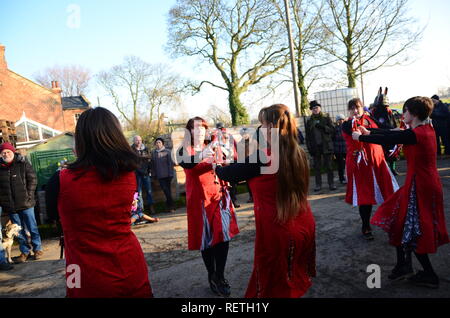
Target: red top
(421,168)
(284,253)
(95,218)
(370,181)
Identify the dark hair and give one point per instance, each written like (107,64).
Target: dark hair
(100,143)
(435,97)
(159,138)
(352,103)
(419,106)
(190,126)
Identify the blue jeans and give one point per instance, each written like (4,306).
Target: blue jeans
(145,182)
(2,251)
(27,220)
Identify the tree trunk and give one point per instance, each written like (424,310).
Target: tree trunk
(239,115)
(304,103)
(351,72)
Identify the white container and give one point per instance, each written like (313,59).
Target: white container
(335,102)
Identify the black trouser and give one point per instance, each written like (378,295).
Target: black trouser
(441,129)
(340,160)
(165,186)
(365,211)
(250,196)
(317,158)
(233,191)
(215,259)
(404,258)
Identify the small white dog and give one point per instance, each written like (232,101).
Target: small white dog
(12,230)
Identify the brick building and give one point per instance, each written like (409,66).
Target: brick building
(39,112)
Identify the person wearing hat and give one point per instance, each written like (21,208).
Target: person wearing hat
(162,169)
(18,182)
(440,118)
(319,133)
(340,149)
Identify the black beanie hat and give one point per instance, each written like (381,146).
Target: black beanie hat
(313,104)
(435,97)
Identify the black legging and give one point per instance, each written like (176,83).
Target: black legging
(405,259)
(365,211)
(215,259)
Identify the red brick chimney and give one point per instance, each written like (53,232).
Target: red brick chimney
(3,65)
(55,88)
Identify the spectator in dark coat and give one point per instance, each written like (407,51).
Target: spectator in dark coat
(162,169)
(319,133)
(143,173)
(340,149)
(18,183)
(440,117)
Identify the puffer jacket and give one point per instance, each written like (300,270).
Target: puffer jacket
(18,183)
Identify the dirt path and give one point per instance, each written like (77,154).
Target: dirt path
(342,256)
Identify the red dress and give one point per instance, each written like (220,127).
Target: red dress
(370,181)
(210,212)
(95,218)
(423,179)
(284,253)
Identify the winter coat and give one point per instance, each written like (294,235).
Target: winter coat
(319,133)
(339,141)
(145,165)
(162,164)
(18,183)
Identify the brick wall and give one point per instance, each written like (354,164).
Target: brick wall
(69,118)
(19,94)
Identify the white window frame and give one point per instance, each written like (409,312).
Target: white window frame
(29,143)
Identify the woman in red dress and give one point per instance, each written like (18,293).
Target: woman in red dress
(414,216)
(210,214)
(284,259)
(369,178)
(93,197)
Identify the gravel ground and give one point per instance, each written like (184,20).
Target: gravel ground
(342,256)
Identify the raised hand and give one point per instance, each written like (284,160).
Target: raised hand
(355,135)
(363,130)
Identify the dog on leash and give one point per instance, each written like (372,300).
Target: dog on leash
(12,230)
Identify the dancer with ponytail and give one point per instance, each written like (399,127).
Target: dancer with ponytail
(284,258)
(369,179)
(414,216)
(210,213)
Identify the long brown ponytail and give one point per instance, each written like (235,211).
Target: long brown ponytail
(293,173)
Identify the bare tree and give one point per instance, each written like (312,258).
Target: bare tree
(369,34)
(307,33)
(165,90)
(243,39)
(218,115)
(73,79)
(140,91)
